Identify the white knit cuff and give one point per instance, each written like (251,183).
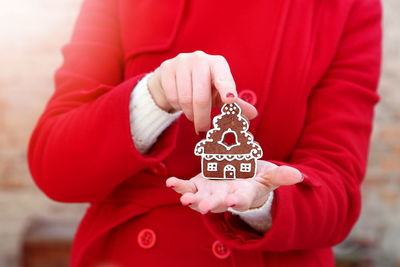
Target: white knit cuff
(147,120)
(260,218)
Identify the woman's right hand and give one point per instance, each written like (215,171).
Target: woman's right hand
(194,83)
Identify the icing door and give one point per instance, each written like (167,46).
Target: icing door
(229,172)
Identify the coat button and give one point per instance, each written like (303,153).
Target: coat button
(146,238)
(248,96)
(220,250)
(160,169)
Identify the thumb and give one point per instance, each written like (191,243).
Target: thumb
(248,110)
(282,175)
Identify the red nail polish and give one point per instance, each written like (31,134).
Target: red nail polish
(229,95)
(233,205)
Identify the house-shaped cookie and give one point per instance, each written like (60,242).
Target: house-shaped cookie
(229,150)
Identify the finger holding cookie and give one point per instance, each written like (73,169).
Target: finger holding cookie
(192,83)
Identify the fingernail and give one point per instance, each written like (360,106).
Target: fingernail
(233,205)
(187,204)
(229,95)
(171,186)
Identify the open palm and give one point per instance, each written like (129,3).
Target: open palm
(204,195)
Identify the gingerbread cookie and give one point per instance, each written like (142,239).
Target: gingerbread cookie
(229,150)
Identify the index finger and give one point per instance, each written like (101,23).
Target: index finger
(222,79)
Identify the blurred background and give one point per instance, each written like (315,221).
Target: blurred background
(40,230)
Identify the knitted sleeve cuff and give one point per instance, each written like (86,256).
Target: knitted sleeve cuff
(260,218)
(147,120)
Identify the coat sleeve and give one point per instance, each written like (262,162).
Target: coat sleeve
(331,153)
(81,148)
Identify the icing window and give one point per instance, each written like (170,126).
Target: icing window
(212,166)
(245,167)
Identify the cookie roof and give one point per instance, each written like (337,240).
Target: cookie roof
(229,121)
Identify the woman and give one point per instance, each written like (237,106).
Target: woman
(114,137)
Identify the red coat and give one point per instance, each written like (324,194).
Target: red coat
(311,69)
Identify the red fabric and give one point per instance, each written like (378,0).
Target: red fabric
(314,69)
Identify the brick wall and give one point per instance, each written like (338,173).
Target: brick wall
(32,33)
(379,222)
(30,53)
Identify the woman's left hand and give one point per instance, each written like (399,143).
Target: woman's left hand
(204,195)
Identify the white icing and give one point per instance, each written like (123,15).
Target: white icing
(228,147)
